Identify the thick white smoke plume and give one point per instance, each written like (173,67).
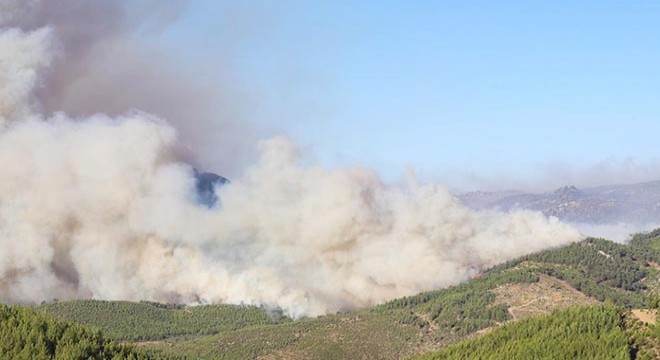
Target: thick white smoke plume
(100,207)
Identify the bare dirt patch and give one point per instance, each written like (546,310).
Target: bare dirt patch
(542,297)
(646,316)
(285,355)
(149,342)
(427,317)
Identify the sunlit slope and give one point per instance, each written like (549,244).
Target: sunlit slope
(601,331)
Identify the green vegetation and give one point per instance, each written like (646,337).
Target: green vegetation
(647,240)
(27,334)
(595,332)
(124,320)
(600,268)
(458,310)
(341,336)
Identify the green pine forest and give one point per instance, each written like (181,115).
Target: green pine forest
(29,334)
(582,300)
(594,332)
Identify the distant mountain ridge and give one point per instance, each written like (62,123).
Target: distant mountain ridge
(632,203)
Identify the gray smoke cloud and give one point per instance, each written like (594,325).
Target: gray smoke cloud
(100,65)
(100,206)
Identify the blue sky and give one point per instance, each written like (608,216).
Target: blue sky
(451,88)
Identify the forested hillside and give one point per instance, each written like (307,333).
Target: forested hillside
(589,272)
(600,268)
(27,334)
(124,320)
(595,332)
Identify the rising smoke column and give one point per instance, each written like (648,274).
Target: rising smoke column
(100,207)
(100,65)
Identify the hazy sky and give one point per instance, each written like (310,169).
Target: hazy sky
(462,91)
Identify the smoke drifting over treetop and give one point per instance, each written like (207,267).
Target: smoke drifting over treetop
(100,206)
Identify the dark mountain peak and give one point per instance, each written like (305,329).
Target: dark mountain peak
(205,184)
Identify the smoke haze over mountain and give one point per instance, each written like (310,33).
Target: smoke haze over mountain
(96,202)
(547,176)
(614,212)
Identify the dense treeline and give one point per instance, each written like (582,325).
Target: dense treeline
(608,263)
(462,309)
(648,239)
(27,334)
(599,268)
(153,321)
(602,269)
(595,332)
